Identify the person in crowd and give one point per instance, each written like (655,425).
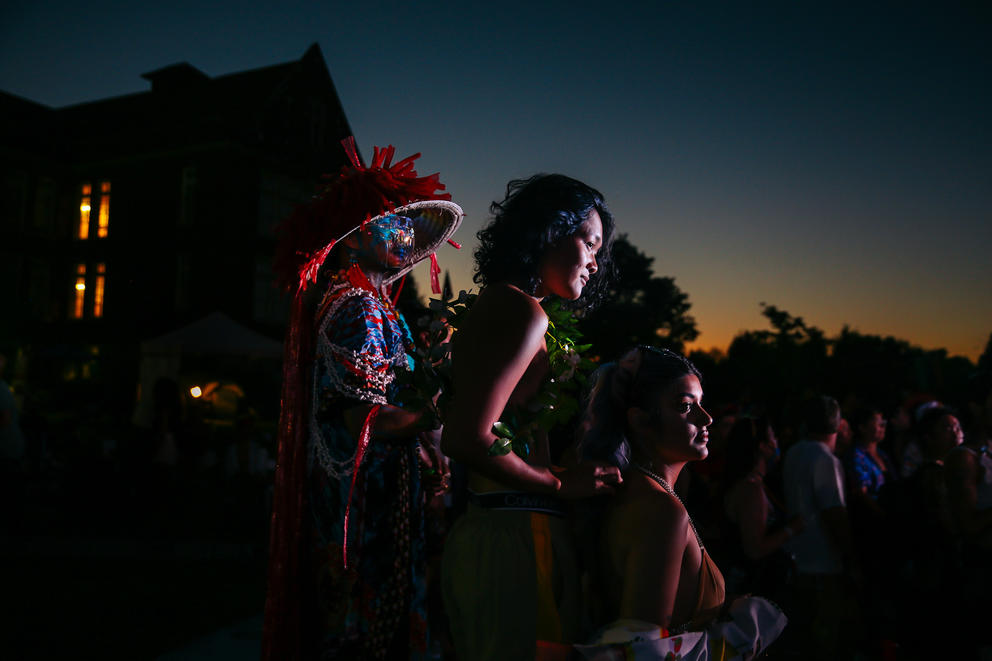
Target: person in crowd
(922,519)
(508,571)
(939,432)
(869,472)
(868,465)
(645,415)
(968,477)
(347,565)
(813,480)
(912,447)
(755,529)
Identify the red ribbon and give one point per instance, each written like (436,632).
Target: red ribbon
(435,272)
(363,443)
(399,289)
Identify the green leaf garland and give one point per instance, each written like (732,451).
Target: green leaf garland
(429,384)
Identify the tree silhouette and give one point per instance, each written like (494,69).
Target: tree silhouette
(985,360)
(776,368)
(446,291)
(640,308)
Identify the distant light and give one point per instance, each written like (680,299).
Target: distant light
(84,207)
(80,286)
(195,391)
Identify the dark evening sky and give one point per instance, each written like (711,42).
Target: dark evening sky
(833,160)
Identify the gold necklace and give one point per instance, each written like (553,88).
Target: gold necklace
(667,487)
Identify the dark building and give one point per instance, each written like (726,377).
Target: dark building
(128,217)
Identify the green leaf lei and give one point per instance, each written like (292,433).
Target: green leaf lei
(429,384)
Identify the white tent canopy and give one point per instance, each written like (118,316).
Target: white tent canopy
(214,335)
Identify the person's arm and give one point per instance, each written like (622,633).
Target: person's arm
(391,422)
(653,564)
(506,336)
(355,384)
(752,512)
(828,479)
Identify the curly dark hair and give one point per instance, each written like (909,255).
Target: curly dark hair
(535,214)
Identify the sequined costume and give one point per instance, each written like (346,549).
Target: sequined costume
(374,609)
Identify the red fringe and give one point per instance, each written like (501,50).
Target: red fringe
(282,631)
(363,444)
(435,272)
(399,289)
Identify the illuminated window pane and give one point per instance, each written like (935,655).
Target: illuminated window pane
(105,187)
(79,296)
(104,218)
(98,293)
(84,212)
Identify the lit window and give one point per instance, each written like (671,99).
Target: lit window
(80,292)
(101,275)
(103,221)
(84,212)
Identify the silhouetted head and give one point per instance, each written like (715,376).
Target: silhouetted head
(821,415)
(750,439)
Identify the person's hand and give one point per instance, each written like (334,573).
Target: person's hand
(427,421)
(587,479)
(434,471)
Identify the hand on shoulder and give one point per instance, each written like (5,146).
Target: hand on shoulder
(587,479)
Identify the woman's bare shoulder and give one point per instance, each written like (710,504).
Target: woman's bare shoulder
(505,305)
(653,518)
(503,295)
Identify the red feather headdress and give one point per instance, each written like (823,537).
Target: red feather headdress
(345,203)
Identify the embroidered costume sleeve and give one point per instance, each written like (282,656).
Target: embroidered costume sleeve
(360,344)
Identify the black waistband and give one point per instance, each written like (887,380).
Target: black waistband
(518,500)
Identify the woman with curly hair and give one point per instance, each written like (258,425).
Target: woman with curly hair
(508,572)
